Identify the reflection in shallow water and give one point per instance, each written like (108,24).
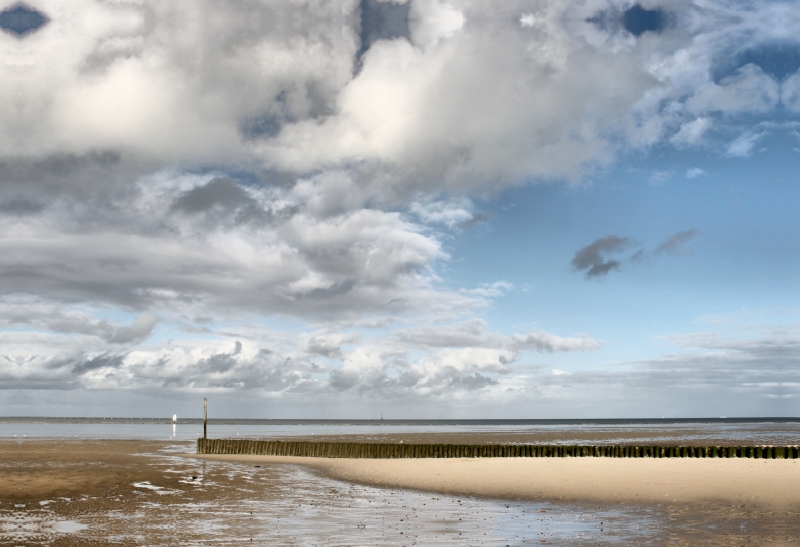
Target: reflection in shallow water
(35,526)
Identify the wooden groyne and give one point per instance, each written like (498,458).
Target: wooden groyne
(387,450)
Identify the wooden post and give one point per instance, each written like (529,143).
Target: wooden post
(205,418)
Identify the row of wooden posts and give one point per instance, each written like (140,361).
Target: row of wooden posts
(402,450)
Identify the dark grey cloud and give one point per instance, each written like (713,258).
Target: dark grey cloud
(265,371)
(222,196)
(38,314)
(337,289)
(324,348)
(472,382)
(80,177)
(21,206)
(674,243)
(597,258)
(464,334)
(410,384)
(219,192)
(593,259)
(221,362)
(109,360)
(342,380)
(140,329)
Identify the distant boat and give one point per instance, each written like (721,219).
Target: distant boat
(174,418)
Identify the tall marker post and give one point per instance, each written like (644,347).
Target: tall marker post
(205,418)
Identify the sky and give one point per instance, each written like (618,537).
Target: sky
(420,208)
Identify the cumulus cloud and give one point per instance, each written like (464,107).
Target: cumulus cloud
(365,85)
(451,213)
(161,162)
(204,244)
(178,81)
(431,21)
(411,363)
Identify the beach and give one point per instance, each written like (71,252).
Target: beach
(128,492)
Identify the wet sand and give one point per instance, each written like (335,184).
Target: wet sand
(63,493)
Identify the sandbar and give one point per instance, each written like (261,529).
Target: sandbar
(766,484)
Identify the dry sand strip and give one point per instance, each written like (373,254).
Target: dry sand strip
(768,484)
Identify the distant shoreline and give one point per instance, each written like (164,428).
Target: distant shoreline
(396,422)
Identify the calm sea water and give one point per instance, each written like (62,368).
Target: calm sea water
(741,430)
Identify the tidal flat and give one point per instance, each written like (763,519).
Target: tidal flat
(127,492)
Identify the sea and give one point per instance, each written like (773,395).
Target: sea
(723,431)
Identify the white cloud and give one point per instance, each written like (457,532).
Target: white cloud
(481,105)
(489,290)
(450,213)
(790,93)
(694,172)
(438,361)
(743,146)
(190,169)
(691,132)
(431,21)
(265,251)
(168,81)
(543,93)
(749,90)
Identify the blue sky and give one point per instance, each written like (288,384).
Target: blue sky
(423,208)
(742,209)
